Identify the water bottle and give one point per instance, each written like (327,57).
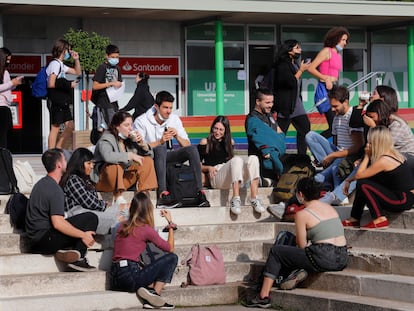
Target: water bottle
(168,142)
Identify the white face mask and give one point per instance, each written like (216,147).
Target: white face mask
(339,47)
(161,118)
(122,136)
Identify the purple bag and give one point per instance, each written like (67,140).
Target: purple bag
(206,265)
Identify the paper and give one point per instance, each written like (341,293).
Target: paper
(114,94)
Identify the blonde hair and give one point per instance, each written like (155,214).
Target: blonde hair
(141,213)
(382,143)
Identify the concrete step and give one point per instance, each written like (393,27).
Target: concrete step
(110,300)
(388,239)
(317,300)
(362,283)
(34,263)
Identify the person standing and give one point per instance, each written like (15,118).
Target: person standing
(225,170)
(328,63)
(6,86)
(60,92)
(288,86)
(142,100)
(46,227)
(107,75)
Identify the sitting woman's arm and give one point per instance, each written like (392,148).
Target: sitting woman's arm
(76,189)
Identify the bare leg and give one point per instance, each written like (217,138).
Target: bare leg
(266,287)
(236,188)
(158,286)
(254,186)
(67,132)
(53,134)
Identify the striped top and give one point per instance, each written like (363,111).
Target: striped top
(342,131)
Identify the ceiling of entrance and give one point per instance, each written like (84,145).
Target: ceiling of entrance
(190,17)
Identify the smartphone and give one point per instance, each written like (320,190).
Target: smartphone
(308,60)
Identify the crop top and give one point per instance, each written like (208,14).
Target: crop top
(325,229)
(332,66)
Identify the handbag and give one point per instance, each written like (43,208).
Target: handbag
(321,98)
(206,265)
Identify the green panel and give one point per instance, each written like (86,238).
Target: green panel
(207,32)
(262,33)
(391,36)
(202,96)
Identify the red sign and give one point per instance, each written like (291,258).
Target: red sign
(154,66)
(25,64)
(16,109)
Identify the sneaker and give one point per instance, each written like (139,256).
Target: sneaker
(257,205)
(202,199)
(297,276)
(151,297)
(166,306)
(166,201)
(68,255)
(258,302)
(235,204)
(277,210)
(81,265)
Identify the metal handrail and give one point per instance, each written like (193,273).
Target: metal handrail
(367,77)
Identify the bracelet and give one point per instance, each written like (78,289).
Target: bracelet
(170,225)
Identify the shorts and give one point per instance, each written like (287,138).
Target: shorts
(59,113)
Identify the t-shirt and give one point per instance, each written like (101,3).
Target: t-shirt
(105,73)
(47,199)
(214,157)
(342,130)
(134,244)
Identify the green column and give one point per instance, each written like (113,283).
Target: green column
(219,68)
(410,65)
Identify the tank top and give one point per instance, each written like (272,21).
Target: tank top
(325,229)
(398,179)
(332,66)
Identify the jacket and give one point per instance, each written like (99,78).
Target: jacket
(286,88)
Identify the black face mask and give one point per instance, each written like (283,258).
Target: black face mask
(296,55)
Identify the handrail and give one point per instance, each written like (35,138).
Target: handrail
(367,77)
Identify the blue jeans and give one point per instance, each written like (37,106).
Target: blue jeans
(162,157)
(330,174)
(134,275)
(319,145)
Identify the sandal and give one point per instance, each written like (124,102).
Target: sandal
(350,223)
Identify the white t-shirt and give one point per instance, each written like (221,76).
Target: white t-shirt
(152,131)
(57,67)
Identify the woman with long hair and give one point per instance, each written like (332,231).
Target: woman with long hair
(127,273)
(224,170)
(6,86)
(328,63)
(321,245)
(80,193)
(384,181)
(288,87)
(123,159)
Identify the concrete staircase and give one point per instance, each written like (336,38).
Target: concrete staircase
(379,277)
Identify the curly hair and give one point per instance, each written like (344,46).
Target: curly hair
(334,35)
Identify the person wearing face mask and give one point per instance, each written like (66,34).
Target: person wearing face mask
(123,159)
(107,75)
(328,63)
(321,246)
(60,92)
(288,87)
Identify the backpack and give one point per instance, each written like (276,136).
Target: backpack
(182,184)
(298,167)
(285,238)
(39,85)
(17,207)
(206,265)
(8,181)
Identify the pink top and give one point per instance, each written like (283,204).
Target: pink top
(134,244)
(332,66)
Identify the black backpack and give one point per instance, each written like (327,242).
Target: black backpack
(182,184)
(17,207)
(8,181)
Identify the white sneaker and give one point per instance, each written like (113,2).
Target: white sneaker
(235,204)
(257,205)
(277,210)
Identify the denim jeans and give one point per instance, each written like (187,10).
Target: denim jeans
(162,157)
(134,275)
(330,174)
(319,145)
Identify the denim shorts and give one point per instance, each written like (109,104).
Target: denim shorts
(327,257)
